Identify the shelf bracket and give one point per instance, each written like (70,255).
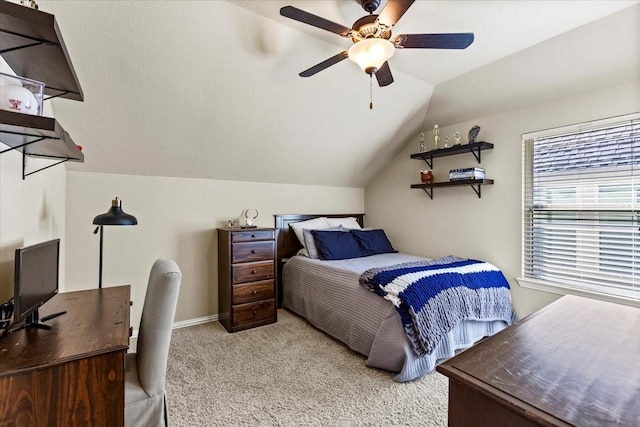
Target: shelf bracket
(23,145)
(429,192)
(24,165)
(11,49)
(62,93)
(478,154)
(429,162)
(478,190)
(36,41)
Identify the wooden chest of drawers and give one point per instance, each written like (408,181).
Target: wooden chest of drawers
(246,278)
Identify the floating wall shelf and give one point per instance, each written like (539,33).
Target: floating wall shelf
(476,184)
(474,148)
(37,136)
(32,45)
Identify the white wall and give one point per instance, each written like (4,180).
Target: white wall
(177,218)
(456,221)
(31,211)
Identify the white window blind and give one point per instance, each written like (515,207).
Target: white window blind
(581,208)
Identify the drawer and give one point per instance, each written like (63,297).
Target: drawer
(250,292)
(254,312)
(252,271)
(249,236)
(252,251)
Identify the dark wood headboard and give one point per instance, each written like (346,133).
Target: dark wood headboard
(288,244)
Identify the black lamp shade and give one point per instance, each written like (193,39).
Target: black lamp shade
(115,216)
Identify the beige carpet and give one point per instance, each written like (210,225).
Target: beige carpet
(289,374)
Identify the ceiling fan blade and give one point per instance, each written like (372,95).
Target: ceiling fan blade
(324,64)
(392,12)
(434,41)
(384,76)
(316,21)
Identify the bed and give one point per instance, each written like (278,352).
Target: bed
(328,295)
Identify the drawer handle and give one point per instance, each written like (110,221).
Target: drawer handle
(253,236)
(253,272)
(254,292)
(253,251)
(255,312)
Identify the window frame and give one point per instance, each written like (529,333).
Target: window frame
(602,292)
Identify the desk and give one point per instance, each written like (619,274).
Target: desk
(575,362)
(72,374)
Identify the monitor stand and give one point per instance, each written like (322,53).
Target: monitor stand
(33,321)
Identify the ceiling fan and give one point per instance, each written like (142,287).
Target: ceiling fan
(371,36)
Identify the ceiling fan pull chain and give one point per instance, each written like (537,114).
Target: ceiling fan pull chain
(371,91)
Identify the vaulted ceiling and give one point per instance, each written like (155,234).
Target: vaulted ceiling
(210,89)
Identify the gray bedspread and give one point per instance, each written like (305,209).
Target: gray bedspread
(328,295)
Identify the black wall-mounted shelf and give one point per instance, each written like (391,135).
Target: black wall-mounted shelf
(476,184)
(474,148)
(32,45)
(37,136)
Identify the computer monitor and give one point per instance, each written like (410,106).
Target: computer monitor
(36,282)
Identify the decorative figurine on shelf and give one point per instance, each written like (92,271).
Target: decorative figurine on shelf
(422,149)
(436,136)
(473,133)
(426,176)
(457,136)
(446,142)
(29,3)
(248,222)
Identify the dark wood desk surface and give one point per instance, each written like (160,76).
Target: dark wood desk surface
(97,321)
(72,374)
(575,362)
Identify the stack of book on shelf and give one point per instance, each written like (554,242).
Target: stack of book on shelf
(466,173)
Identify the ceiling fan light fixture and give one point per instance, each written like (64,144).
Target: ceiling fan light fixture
(371,53)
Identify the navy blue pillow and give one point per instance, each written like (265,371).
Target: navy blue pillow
(333,245)
(373,242)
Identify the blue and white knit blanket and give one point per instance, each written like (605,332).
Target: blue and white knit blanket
(433,296)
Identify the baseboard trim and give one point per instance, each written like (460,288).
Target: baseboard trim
(193,322)
(186,323)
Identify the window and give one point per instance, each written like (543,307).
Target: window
(581,210)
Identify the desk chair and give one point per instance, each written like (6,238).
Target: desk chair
(145,400)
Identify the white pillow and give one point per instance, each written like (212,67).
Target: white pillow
(319,223)
(347,222)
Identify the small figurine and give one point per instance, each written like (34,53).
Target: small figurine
(473,133)
(446,142)
(249,221)
(436,137)
(29,3)
(457,136)
(422,149)
(426,176)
